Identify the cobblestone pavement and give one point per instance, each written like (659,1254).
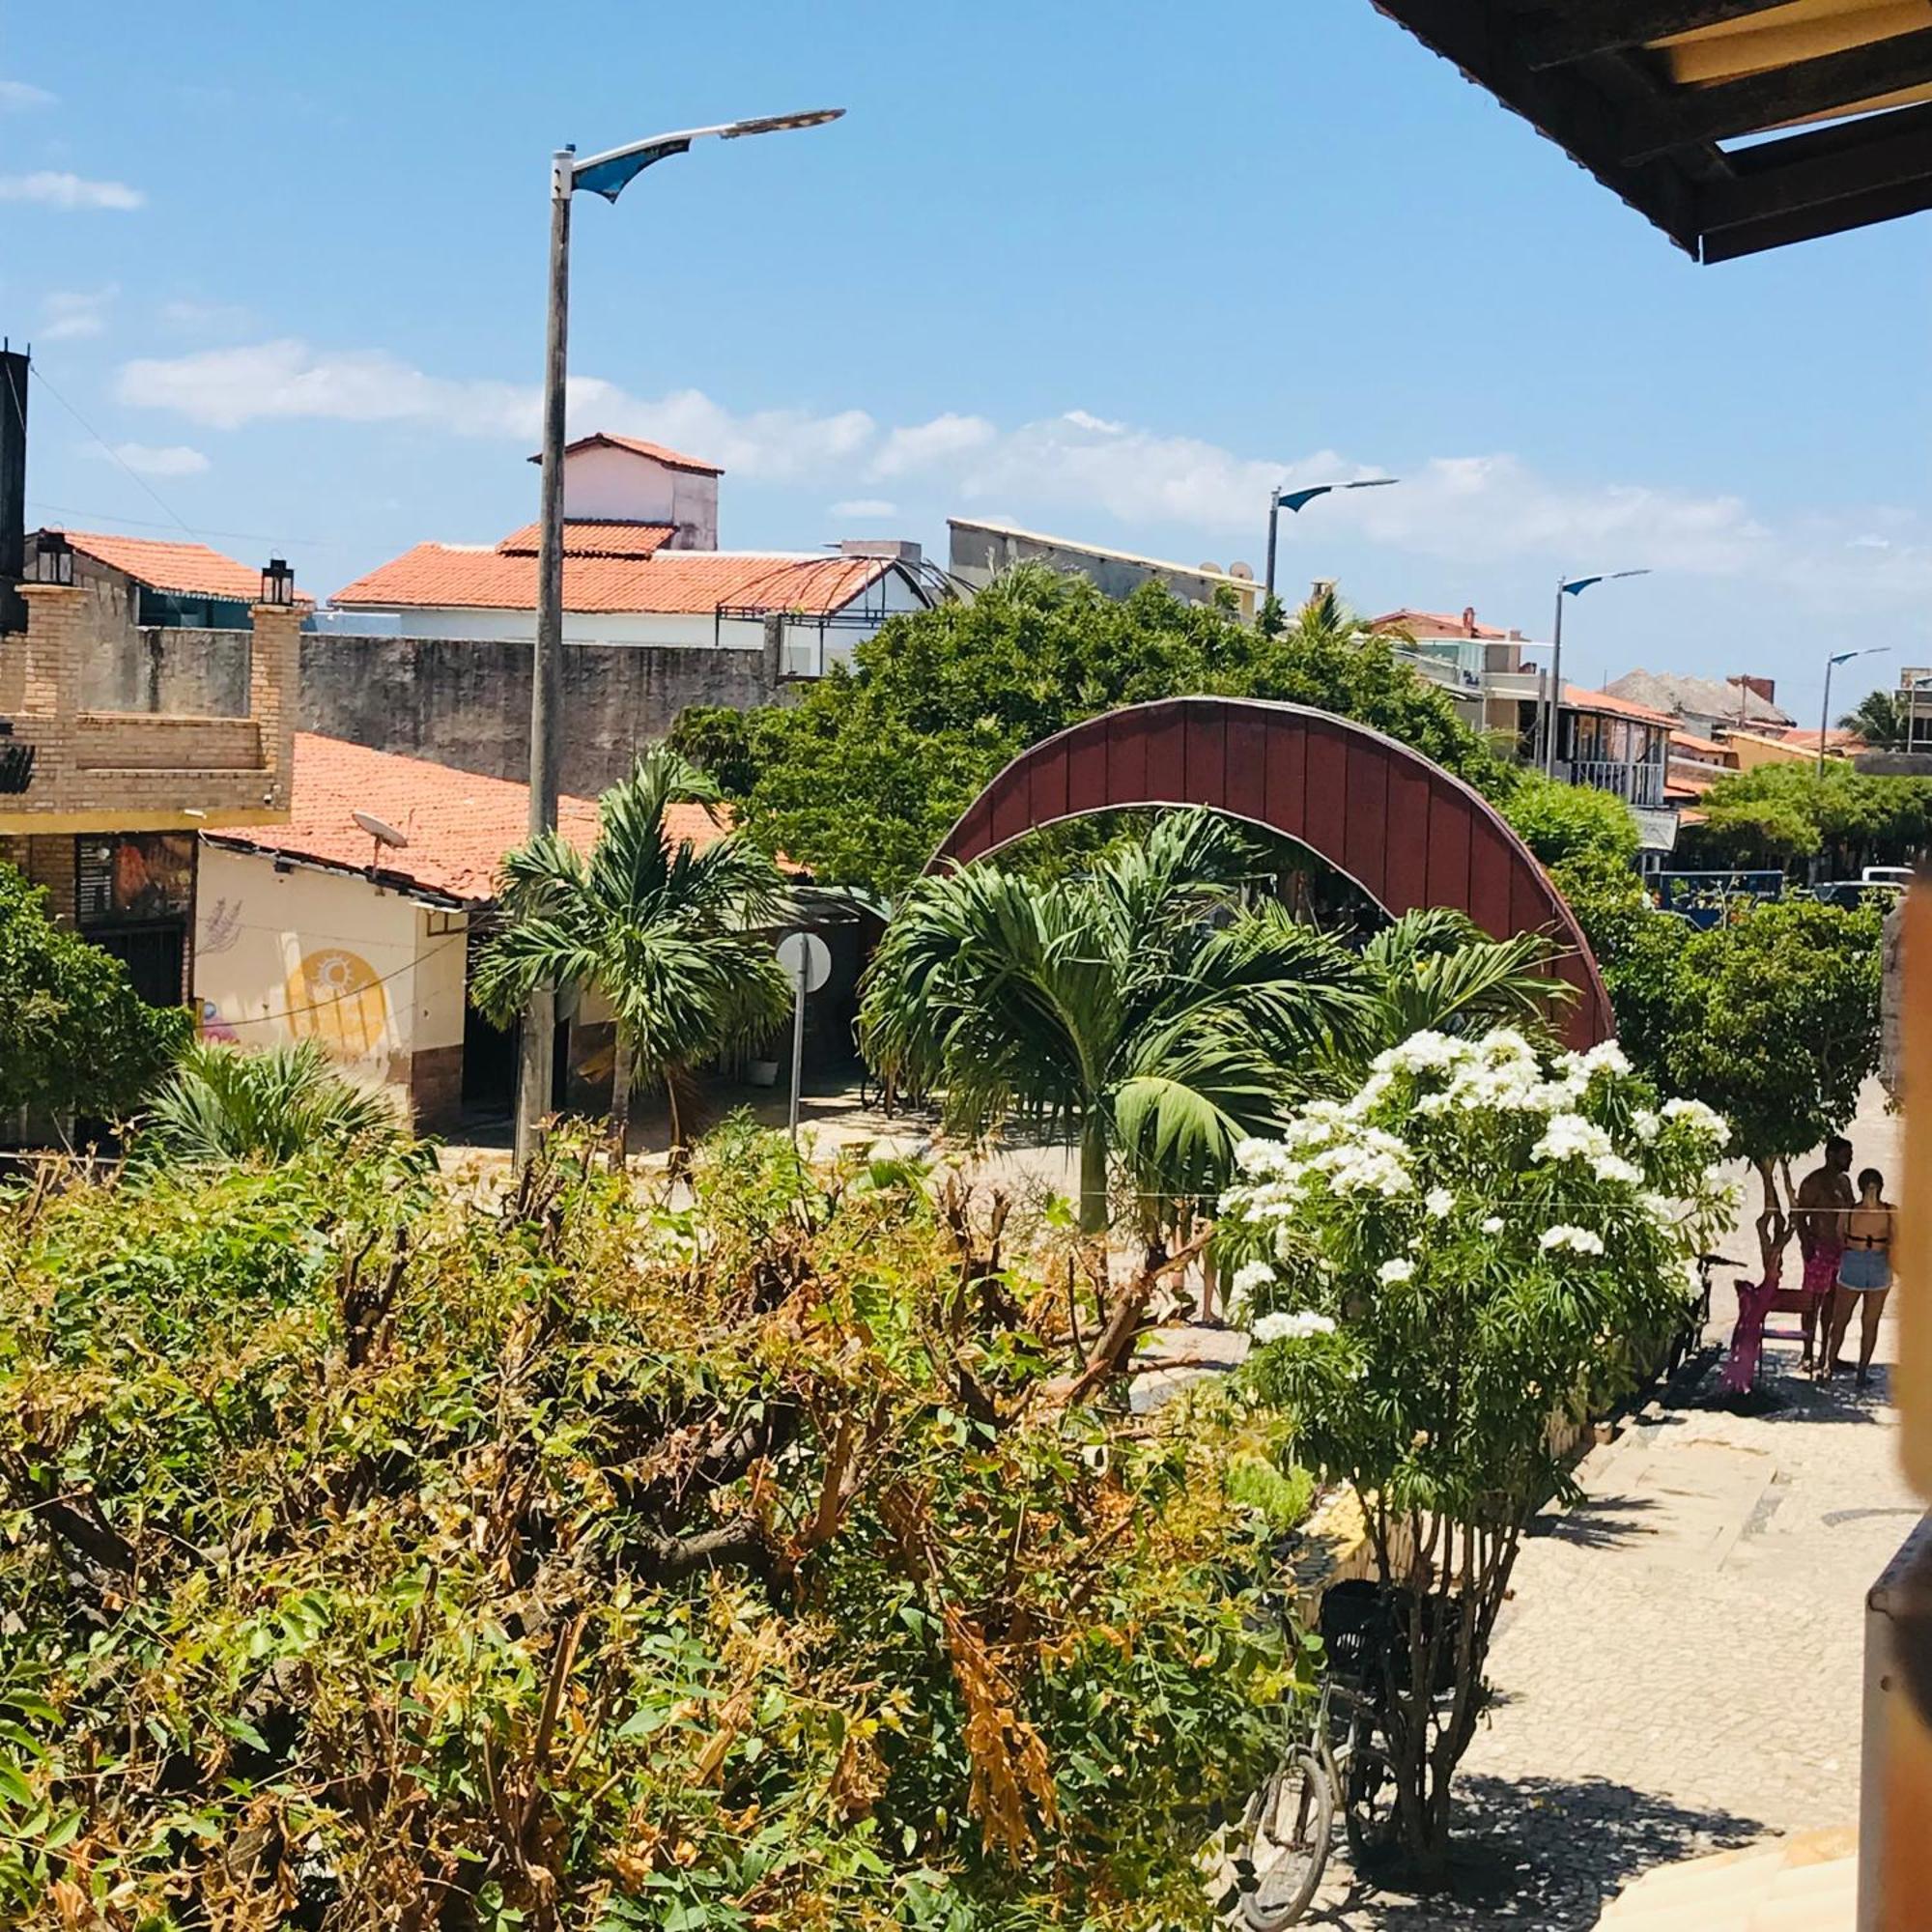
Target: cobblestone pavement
(1680,1668)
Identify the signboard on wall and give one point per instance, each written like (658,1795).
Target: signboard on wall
(130,877)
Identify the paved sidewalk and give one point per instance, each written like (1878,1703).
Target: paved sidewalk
(1680,1668)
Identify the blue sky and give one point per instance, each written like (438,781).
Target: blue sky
(1105,273)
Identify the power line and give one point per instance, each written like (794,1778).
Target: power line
(194,529)
(114,454)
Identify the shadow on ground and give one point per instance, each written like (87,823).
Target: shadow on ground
(1540,1855)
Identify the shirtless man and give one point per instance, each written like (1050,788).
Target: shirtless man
(1825,1198)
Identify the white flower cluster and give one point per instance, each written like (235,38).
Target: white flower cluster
(1297,1327)
(1578,1240)
(1324,1144)
(1439,1203)
(1398,1269)
(1694,1114)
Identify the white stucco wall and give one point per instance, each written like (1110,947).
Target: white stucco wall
(617,483)
(302,955)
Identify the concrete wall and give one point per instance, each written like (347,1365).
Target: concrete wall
(466,702)
(600,482)
(306,955)
(192,672)
(980,552)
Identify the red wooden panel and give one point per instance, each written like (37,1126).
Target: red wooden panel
(1325,816)
(1207,745)
(1286,774)
(1127,758)
(1365,851)
(1532,903)
(1450,818)
(1087,771)
(1247,762)
(1406,874)
(973,834)
(1490,864)
(1012,809)
(1166,755)
(1048,787)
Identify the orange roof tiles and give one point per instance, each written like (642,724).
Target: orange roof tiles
(1689,741)
(162,564)
(1579,700)
(671,459)
(670,582)
(459,824)
(1435,624)
(594,537)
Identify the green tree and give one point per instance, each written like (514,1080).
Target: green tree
(1482,1242)
(221,1103)
(1560,821)
(1777,813)
(1637,950)
(1773,1019)
(1145,1009)
(863,778)
(668,934)
(1879,718)
(74,1037)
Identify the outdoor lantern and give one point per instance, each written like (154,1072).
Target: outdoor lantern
(54,562)
(279,583)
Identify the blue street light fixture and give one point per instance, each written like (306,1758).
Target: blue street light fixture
(1825,718)
(1298,500)
(1567,586)
(607,174)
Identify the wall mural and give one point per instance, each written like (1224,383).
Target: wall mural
(338,997)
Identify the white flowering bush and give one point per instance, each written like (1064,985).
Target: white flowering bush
(1485,1238)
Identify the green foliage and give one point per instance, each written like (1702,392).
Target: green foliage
(1559,821)
(1145,1009)
(668,934)
(380,1554)
(1637,950)
(74,1037)
(1779,813)
(1480,1241)
(223,1103)
(1879,718)
(864,777)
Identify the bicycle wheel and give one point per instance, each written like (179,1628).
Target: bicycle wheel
(1368,1801)
(1285,1843)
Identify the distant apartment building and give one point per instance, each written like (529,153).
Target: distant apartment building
(1480,667)
(978,552)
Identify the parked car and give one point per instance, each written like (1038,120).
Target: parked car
(1851,893)
(1887,875)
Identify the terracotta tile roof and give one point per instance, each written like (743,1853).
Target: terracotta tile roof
(459,824)
(671,459)
(672,583)
(594,537)
(1689,741)
(1436,624)
(1579,700)
(161,565)
(1688,780)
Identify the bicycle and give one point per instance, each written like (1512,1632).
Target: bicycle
(1697,1318)
(1288,1826)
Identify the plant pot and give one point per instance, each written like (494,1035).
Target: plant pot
(762,1072)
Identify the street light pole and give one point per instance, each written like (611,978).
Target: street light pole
(1565,586)
(1298,500)
(1825,717)
(606,174)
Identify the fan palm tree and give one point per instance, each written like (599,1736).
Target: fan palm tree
(1145,1009)
(220,1104)
(1879,718)
(667,933)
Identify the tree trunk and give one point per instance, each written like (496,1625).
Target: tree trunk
(680,1153)
(1774,1223)
(1093,1173)
(620,1101)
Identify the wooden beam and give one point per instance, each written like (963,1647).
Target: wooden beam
(1733,107)
(1815,169)
(1809,224)
(1608,26)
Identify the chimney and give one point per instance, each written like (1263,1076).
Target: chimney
(1765,688)
(1468,620)
(12,485)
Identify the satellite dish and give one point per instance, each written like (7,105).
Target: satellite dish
(380,829)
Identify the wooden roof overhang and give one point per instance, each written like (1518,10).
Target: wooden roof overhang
(1669,104)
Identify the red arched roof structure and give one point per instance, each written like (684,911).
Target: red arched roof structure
(1406,831)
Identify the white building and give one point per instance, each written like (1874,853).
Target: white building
(641,566)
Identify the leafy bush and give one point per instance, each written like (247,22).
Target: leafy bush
(1780,813)
(1561,821)
(75,1036)
(374,1558)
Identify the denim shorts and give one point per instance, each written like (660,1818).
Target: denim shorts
(1864,1268)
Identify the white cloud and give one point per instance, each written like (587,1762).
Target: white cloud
(144,459)
(71,315)
(15,94)
(50,190)
(923,445)
(865,507)
(206,318)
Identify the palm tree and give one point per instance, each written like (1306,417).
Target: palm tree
(667,934)
(220,1104)
(1436,971)
(1879,718)
(1145,1009)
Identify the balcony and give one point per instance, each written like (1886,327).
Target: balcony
(1638,784)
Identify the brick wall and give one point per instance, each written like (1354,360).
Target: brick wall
(466,702)
(128,742)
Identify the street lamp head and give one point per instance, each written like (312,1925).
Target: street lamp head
(612,172)
(1575,586)
(1299,499)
